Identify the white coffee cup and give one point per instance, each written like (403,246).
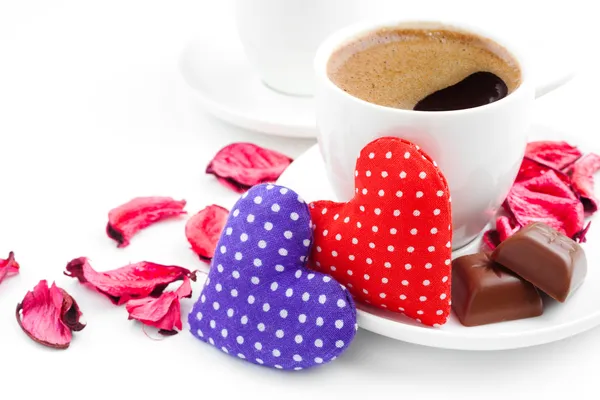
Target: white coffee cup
(280,37)
(479,150)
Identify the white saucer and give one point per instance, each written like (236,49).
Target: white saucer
(580,313)
(226,86)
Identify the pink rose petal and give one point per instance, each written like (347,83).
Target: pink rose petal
(505,227)
(70,314)
(582,180)
(203,230)
(532,169)
(546,199)
(8,267)
(239,166)
(581,236)
(129,218)
(491,238)
(47,316)
(132,281)
(552,176)
(163,312)
(554,154)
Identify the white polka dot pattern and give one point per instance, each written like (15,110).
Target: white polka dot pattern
(396,238)
(261,304)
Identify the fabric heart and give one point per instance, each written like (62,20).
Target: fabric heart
(260,302)
(391,244)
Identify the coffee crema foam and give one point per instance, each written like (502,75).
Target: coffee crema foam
(397,67)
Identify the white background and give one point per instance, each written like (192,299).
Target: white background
(94,112)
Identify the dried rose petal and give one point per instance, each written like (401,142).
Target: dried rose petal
(532,169)
(48,315)
(9,266)
(537,196)
(204,229)
(70,314)
(582,180)
(581,235)
(240,166)
(163,312)
(505,227)
(553,154)
(546,199)
(131,281)
(139,213)
(185,290)
(491,238)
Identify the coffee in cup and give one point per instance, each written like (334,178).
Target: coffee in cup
(424,69)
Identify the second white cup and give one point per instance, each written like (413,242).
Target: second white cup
(280,37)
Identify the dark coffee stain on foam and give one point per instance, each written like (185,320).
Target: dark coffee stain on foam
(475,90)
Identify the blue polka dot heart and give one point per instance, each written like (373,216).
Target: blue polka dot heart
(260,303)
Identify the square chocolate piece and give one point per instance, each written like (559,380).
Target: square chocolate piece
(483,292)
(551,261)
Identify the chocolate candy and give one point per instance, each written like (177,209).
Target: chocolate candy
(553,262)
(483,292)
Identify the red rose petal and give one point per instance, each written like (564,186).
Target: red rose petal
(491,238)
(137,280)
(163,312)
(536,196)
(70,314)
(581,235)
(185,290)
(139,213)
(505,227)
(553,154)
(9,266)
(203,230)
(582,180)
(532,169)
(546,199)
(240,166)
(47,316)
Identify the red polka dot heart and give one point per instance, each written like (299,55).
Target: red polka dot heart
(391,244)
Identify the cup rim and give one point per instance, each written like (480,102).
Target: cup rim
(349,33)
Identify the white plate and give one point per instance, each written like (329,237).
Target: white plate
(226,86)
(580,313)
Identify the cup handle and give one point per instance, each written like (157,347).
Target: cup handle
(545,87)
(550,73)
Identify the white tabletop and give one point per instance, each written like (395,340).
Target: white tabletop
(93,112)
